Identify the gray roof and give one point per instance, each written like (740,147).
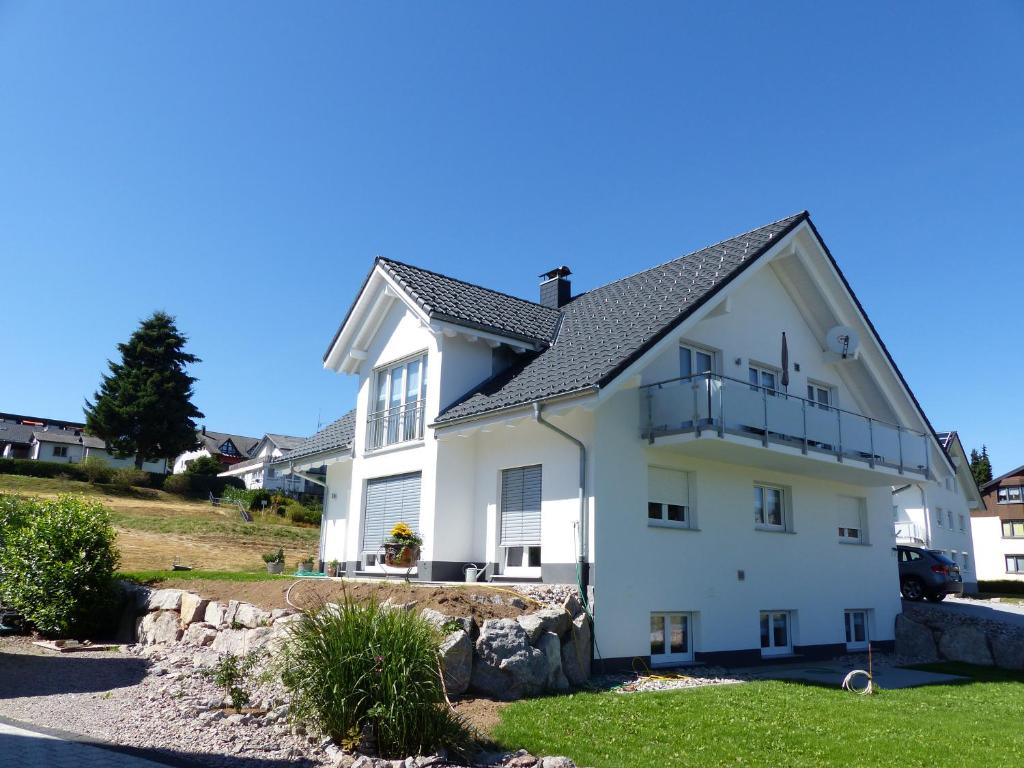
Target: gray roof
(336,436)
(19,434)
(473,306)
(212,441)
(605,330)
(945,439)
(285,442)
(67,437)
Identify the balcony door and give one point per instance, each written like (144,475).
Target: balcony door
(399,393)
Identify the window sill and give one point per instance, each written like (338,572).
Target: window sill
(770,529)
(671,524)
(393,447)
(854,543)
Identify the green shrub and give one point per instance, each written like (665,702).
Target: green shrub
(186,484)
(204,465)
(180,484)
(298,513)
(127,477)
(354,666)
(96,470)
(274,557)
(231,673)
(33,468)
(58,561)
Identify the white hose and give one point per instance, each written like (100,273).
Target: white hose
(850,685)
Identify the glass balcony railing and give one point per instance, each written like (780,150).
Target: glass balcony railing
(709,402)
(395,425)
(907,530)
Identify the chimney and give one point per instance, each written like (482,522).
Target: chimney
(204,430)
(555,288)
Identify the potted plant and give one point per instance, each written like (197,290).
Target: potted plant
(402,547)
(274,561)
(306,564)
(334,568)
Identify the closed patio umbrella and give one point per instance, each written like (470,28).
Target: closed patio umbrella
(785,361)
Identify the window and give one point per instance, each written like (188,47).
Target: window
(1015,563)
(520,513)
(963,522)
(1013,529)
(909,556)
(769,512)
(668,497)
(399,394)
(271,472)
(856,629)
(762,377)
(60,450)
(389,500)
(670,638)
(851,520)
(776,637)
(227,448)
(949,518)
(695,361)
(939,517)
(1009,495)
(820,395)
(967,560)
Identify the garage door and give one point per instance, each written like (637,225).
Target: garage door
(390,500)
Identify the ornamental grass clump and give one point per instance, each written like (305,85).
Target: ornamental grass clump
(357,672)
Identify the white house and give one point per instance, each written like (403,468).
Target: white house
(228,449)
(714,498)
(998,528)
(66,446)
(261,471)
(938,515)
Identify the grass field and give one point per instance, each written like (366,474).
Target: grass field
(155,528)
(780,724)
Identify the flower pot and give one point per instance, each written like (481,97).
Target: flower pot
(275,567)
(306,565)
(401,555)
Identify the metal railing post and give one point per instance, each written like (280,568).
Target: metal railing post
(764,405)
(899,439)
(803,413)
(839,433)
(927,456)
(871,437)
(650,415)
(695,422)
(721,408)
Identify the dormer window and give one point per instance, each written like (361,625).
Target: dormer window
(396,415)
(228,449)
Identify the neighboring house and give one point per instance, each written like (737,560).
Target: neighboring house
(16,433)
(260,471)
(938,515)
(72,447)
(639,439)
(228,449)
(999,528)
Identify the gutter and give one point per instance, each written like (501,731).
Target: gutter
(583,568)
(571,395)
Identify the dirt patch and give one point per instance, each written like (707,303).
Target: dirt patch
(483,715)
(480,602)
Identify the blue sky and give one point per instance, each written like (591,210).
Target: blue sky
(240,164)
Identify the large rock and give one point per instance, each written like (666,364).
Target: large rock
(165,600)
(230,612)
(158,627)
(576,651)
(967,644)
(573,606)
(914,640)
(506,665)
(457,662)
(214,613)
(250,616)
(239,642)
(1008,650)
(548,620)
(200,634)
(551,647)
(193,608)
(445,623)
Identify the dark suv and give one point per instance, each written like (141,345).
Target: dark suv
(927,574)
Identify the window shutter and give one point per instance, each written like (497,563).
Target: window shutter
(668,486)
(390,500)
(520,506)
(850,514)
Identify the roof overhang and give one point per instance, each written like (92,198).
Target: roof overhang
(313,461)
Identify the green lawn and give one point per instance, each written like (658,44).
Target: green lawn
(154,578)
(779,724)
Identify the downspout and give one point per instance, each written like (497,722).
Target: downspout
(582,566)
(927,517)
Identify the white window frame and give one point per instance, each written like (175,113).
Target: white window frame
(853,644)
(939,517)
(522,567)
(1003,495)
(949,518)
(771,649)
(379,424)
(966,556)
(694,350)
(762,370)
(963,521)
(662,521)
(862,532)
(669,657)
(1018,563)
(784,502)
(1013,523)
(814,388)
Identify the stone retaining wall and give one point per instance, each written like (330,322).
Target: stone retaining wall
(549,650)
(932,634)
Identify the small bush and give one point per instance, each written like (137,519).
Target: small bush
(204,465)
(127,477)
(300,514)
(353,666)
(96,470)
(186,484)
(58,561)
(180,484)
(274,557)
(231,673)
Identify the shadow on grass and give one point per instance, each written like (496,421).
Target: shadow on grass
(974,672)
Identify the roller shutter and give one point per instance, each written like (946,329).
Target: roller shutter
(390,500)
(520,506)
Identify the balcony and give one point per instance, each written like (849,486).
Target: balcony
(400,424)
(908,532)
(678,411)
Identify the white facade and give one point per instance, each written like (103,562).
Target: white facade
(258,471)
(182,461)
(707,566)
(992,548)
(74,453)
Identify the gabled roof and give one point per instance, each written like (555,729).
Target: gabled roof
(446,298)
(212,441)
(336,436)
(68,437)
(605,330)
(995,480)
(18,434)
(285,442)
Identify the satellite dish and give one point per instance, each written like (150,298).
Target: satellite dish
(843,341)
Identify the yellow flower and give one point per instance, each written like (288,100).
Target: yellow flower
(402,531)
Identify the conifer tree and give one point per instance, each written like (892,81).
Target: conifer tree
(144,405)
(981,466)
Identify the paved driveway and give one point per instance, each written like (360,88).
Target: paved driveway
(1007,613)
(30,749)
